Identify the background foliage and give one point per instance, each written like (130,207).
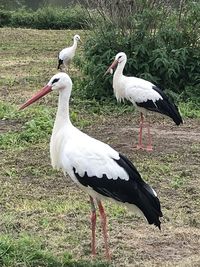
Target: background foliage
(45,18)
(162,45)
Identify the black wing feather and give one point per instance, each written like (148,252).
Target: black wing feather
(134,191)
(163,106)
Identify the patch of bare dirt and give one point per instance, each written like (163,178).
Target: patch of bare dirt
(9,125)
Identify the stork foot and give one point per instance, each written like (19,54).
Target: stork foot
(149,148)
(140,147)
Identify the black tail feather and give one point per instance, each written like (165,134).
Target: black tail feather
(163,106)
(168,108)
(147,201)
(150,206)
(60,62)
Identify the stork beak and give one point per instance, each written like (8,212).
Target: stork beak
(112,66)
(45,90)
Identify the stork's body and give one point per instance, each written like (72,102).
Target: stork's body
(96,167)
(66,55)
(144,95)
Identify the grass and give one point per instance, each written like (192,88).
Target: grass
(45,218)
(28,250)
(190,109)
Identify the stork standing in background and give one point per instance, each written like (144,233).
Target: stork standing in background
(97,168)
(66,55)
(143,94)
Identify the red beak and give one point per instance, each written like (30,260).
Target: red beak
(112,66)
(45,90)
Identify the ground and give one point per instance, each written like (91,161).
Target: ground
(38,202)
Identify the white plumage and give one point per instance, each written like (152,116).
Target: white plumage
(66,55)
(96,167)
(71,148)
(143,94)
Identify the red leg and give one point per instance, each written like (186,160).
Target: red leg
(93,223)
(149,146)
(104,227)
(140,145)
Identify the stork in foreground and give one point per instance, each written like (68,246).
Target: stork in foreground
(66,55)
(143,94)
(97,168)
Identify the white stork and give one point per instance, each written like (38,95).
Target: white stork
(143,94)
(66,55)
(97,168)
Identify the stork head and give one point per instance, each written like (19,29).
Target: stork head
(119,58)
(77,38)
(58,82)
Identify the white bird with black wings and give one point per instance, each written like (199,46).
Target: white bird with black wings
(96,167)
(66,55)
(144,95)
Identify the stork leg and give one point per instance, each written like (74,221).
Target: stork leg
(142,125)
(140,145)
(93,223)
(104,228)
(149,146)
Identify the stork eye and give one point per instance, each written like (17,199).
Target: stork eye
(55,80)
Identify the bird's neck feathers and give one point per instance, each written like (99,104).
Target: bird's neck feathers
(74,46)
(118,82)
(62,115)
(61,129)
(120,68)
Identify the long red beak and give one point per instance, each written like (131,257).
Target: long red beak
(45,90)
(112,66)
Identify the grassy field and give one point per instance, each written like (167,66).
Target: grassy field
(44,217)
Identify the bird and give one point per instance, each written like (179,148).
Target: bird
(97,168)
(144,95)
(66,55)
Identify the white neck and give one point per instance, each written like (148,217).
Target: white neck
(120,68)
(62,127)
(74,45)
(118,85)
(62,115)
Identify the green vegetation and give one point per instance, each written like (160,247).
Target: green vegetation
(45,18)
(162,45)
(30,251)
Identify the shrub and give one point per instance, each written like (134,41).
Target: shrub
(161,46)
(46,18)
(5,17)
(22,18)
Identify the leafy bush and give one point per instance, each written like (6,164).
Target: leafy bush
(46,18)
(162,48)
(5,17)
(22,18)
(51,18)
